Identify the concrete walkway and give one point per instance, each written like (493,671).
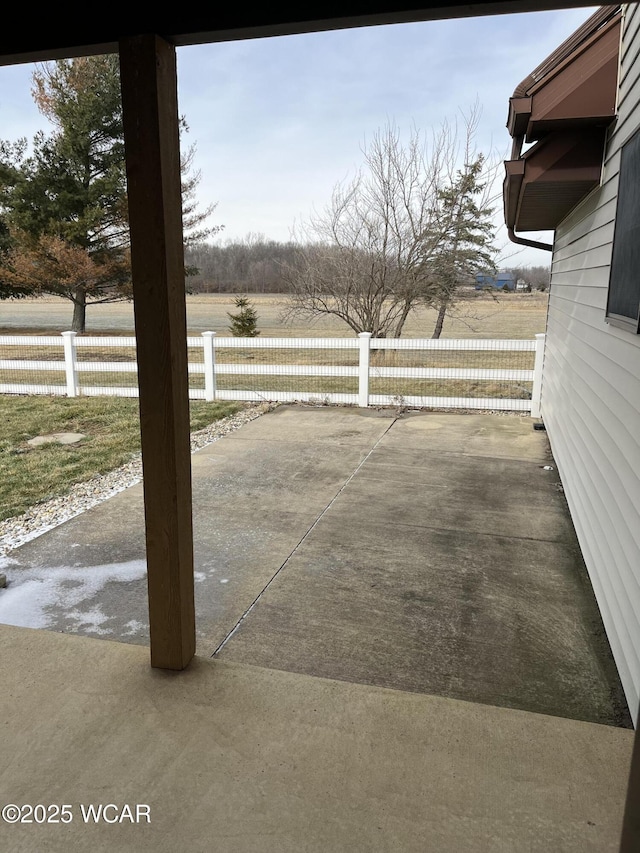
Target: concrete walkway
(339,553)
(232,758)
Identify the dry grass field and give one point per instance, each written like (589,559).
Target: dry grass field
(505,315)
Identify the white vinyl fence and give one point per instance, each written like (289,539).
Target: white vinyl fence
(460,373)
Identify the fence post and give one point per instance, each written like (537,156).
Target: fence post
(69,339)
(536,391)
(209,366)
(363,371)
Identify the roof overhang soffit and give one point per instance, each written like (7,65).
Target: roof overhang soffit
(186,25)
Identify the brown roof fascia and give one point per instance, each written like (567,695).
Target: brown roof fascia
(519,115)
(591,31)
(552,177)
(511,190)
(590,27)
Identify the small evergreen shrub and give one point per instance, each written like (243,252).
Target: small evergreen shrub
(244,324)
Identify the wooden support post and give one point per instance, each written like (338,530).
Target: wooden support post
(150,111)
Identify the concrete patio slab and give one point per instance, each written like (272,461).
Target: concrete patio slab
(473,617)
(499,436)
(339,426)
(253,502)
(429,553)
(507,497)
(238,759)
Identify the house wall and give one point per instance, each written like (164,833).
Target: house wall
(591,391)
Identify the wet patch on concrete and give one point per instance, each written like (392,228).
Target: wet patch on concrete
(67,598)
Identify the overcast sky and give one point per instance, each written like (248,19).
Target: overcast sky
(279,121)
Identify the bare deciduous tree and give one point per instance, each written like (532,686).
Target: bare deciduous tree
(376,251)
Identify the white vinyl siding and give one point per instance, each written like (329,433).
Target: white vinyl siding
(591,391)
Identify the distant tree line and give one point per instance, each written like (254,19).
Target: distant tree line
(252,265)
(538,277)
(259,265)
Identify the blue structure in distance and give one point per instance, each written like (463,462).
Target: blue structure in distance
(497,281)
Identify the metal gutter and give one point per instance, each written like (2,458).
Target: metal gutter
(523,241)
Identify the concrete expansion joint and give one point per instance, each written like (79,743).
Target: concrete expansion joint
(311,527)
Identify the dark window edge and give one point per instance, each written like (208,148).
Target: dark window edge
(627,324)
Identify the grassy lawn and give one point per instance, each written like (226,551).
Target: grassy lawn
(111,426)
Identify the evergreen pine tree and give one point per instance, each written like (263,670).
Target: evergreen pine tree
(466,245)
(244,323)
(64,205)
